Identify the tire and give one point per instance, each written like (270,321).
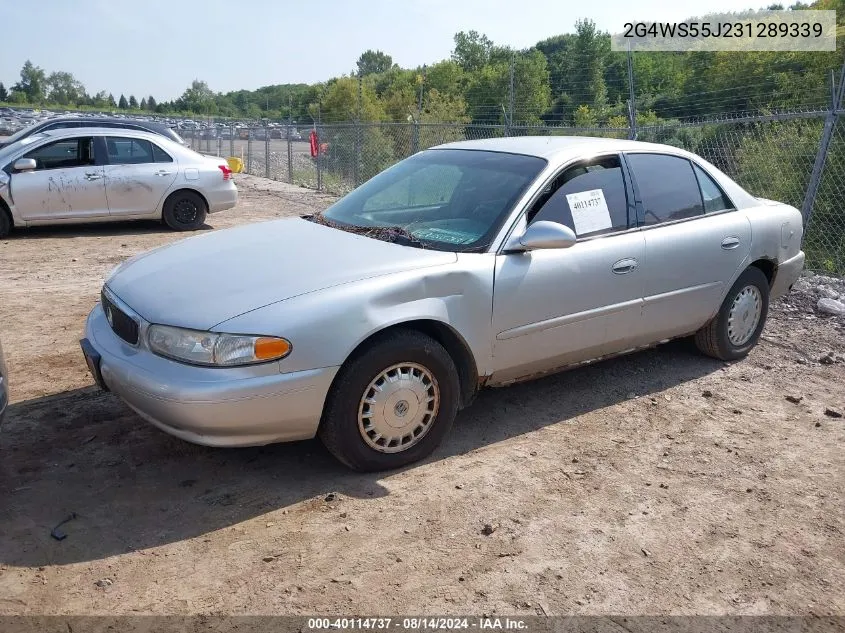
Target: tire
(185,211)
(720,338)
(5,222)
(348,420)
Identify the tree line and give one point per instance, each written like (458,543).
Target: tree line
(569,79)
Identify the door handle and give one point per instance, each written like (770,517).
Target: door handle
(730,242)
(94,176)
(162,172)
(624,266)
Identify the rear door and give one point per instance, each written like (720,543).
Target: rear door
(66,183)
(695,241)
(138,174)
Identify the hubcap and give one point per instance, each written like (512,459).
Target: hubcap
(744,315)
(398,408)
(185,211)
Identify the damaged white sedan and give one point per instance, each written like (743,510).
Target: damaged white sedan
(471,264)
(73,175)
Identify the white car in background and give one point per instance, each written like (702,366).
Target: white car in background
(104,174)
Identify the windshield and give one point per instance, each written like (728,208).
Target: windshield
(8,150)
(448,199)
(18,135)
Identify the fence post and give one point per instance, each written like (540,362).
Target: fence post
(290,154)
(249,151)
(632,102)
(837,103)
(510,98)
(266,152)
(319,157)
(356,167)
(415,142)
(231,140)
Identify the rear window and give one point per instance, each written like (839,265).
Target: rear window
(129,151)
(668,187)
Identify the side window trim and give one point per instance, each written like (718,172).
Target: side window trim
(732,206)
(158,147)
(519,220)
(639,200)
(78,140)
(107,157)
(631,219)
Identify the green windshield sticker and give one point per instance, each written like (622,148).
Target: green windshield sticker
(446,235)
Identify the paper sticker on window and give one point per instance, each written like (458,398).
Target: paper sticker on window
(589,211)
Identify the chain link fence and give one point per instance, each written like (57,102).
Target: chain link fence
(771,156)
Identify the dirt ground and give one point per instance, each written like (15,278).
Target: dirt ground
(658,483)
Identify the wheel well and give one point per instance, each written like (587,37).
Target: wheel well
(184,189)
(4,210)
(454,344)
(768,267)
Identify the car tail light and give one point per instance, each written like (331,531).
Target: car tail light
(227,173)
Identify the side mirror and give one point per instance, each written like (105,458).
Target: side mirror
(24,164)
(544,234)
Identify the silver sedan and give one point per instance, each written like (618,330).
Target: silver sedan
(474,263)
(105,174)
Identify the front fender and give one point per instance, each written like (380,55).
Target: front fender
(324,327)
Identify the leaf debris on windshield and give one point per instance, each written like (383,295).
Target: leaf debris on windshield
(384,233)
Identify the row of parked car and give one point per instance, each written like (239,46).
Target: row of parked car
(108,170)
(14,120)
(372,323)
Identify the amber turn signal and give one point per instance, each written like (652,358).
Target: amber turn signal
(271,348)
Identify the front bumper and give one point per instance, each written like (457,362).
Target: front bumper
(788,272)
(238,406)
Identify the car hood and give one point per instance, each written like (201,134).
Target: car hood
(205,280)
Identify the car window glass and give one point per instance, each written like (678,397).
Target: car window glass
(71,152)
(714,199)
(430,186)
(668,187)
(447,199)
(129,151)
(160,156)
(589,198)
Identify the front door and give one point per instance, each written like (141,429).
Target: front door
(138,175)
(66,183)
(557,307)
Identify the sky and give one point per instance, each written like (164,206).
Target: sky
(157,47)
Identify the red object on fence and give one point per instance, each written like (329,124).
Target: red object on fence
(313,139)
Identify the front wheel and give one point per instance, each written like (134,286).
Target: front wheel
(392,404)
(185,211)
(732,333)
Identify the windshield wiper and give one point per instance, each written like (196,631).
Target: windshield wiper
(391,234)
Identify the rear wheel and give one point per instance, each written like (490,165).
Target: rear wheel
(737,327)
(391,405)
(185,211)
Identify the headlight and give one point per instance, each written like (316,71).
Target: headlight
(210,348)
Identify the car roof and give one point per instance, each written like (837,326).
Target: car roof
(103,131)
(153,125)
(558,148)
